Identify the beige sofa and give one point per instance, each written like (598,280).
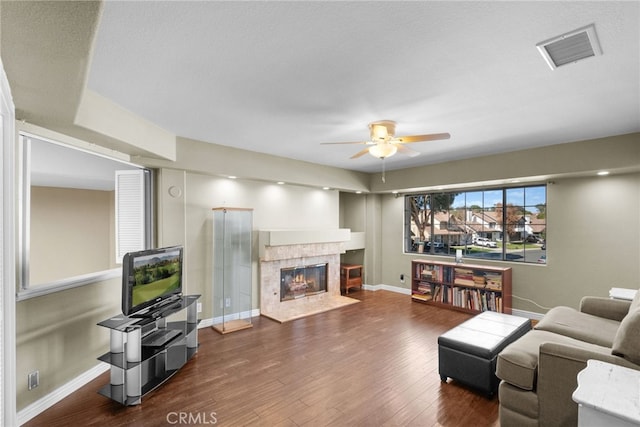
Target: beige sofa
(538,371)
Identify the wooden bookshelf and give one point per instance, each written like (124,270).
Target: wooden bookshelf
(460,286)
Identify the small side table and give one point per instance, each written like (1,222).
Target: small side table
(622,293)
(608,395)
(350,276)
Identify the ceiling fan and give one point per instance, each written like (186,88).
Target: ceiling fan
(384,143)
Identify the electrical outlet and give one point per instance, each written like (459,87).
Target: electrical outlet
(227,302)
(199,307)
(402,278)
(33,379)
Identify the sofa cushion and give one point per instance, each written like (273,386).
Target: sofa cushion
(518,362)
(581,326)
(518,400)
(627,341)
(608,308)
(635,302)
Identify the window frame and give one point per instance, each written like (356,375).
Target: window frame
(444,202)
(24,288)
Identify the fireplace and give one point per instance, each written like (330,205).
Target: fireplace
(300,272)
(299,282)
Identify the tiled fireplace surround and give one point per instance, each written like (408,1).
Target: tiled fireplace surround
(274,258)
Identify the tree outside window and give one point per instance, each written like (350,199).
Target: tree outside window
(499,224)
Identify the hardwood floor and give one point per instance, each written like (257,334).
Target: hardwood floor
(374,363)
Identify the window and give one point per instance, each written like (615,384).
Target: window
(507,224)
(71,220)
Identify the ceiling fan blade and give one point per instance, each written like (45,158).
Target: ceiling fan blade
(338,143)
(360,153)
(406,150)
(420,138)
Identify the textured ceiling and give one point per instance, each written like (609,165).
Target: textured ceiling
(282,77)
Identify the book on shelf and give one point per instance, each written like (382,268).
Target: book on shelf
(463,286)
(494,301)
(463,281)
(430,272)
(473,299)
(423,288)
(479,279)
(428,275)
(494,280)
(440,294)
(422,297)
(469,277)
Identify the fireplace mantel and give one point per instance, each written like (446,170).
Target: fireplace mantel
(288,237)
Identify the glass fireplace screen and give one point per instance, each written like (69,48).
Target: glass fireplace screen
(298,282)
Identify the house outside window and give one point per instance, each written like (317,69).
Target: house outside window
(505,224)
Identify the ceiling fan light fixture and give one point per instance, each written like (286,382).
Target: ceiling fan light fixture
(382,130)
(382,151)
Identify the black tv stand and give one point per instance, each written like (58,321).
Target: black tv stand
(159,337)
(141,362)
(159,310)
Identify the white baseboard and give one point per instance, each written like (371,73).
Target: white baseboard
(41,405)
(58,394)
(389,288)
(527,314)
(205,323)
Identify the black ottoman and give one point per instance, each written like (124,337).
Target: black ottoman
(468,352)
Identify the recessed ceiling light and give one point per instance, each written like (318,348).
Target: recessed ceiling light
(394,192)
(603,173)
(232,177)
(358,192)
(280,182)
(326,188)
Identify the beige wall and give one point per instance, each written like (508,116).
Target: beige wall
(57,335)
(593,243)
(274,207)
(617,153)
(594,235)
(71,233)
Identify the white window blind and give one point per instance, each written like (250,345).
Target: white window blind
(130,212)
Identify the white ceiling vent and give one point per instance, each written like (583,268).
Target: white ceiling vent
(570,47)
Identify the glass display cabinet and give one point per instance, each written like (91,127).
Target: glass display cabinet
(232,228)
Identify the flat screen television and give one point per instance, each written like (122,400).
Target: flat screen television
(150,278)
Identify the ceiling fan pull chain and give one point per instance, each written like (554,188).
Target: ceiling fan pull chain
(383,177)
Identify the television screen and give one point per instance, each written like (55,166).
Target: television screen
(150,277)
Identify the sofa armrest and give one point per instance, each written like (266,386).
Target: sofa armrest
(558,368)
(609,308)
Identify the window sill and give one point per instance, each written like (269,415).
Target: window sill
(68,283)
